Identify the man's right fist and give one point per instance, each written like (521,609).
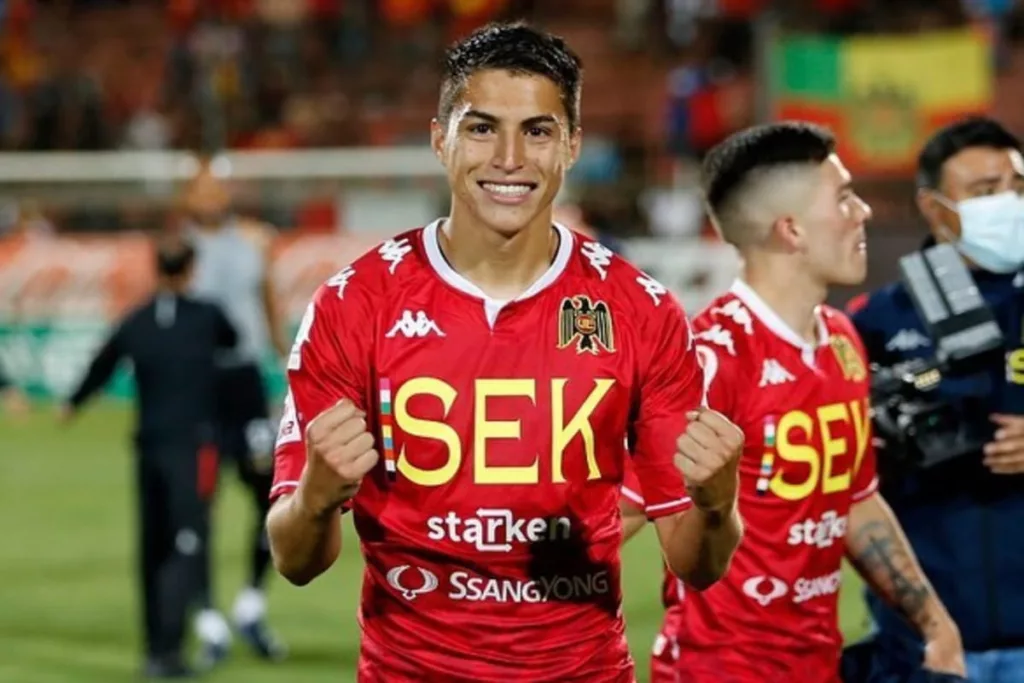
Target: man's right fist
(339,453)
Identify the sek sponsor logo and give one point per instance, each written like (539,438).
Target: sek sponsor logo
(497,530)
(411,582)
(819,533)
(767,589)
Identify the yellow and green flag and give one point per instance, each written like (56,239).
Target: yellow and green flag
(883,95)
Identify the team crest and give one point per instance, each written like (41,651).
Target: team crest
(849,358)
(587,324)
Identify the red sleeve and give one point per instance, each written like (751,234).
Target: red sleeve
(865,477)
(328,362)
(631,491)
(672,385)
(865,474)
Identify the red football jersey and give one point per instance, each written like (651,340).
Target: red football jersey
(807,458)
(491,527)
(665,649)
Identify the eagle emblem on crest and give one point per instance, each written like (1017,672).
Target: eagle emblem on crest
(586,324)
(849,358)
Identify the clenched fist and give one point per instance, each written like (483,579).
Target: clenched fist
(339,453)
(708,455)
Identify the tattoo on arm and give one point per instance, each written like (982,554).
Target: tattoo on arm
(885,563)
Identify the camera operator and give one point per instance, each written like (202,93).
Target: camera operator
(964,515)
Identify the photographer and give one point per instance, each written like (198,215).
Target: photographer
(963,515)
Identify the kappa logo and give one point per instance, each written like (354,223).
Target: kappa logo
(340,280)
(418,325)
(394,251)
(599,256)
(718,335)
(429,582)
(907,340)
(585,324)
(738,313)
(773,373)
(654,289)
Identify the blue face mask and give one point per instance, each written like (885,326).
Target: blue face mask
(992,231)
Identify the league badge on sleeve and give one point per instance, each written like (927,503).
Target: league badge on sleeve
(586,324)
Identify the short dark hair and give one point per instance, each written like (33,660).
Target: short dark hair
(174,255)
(517,48)
(729,164)
(974,131)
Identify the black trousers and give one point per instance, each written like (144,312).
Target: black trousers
(245,441)
(176,478)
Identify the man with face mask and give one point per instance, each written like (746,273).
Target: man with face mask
(962,517)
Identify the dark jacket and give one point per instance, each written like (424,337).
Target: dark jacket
(964,522)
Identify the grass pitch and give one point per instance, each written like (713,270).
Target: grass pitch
(68,591)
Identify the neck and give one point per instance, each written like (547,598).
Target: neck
(503,266)
(788,290)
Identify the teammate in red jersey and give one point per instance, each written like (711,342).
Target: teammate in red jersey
(664,666)
(791,373)
(464,390)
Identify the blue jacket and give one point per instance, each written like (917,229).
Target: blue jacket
(965,524)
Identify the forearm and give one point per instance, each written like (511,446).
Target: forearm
(882,555)
(633,520)
(304,544)
(699,545)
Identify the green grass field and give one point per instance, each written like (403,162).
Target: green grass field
(68,599)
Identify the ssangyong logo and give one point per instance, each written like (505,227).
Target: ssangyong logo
(411,582)
(398,578)
(765,589)
(497,530)
(819,586)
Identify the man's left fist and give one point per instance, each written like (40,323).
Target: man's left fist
(708,455)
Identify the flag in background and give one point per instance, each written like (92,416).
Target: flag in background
(882,95)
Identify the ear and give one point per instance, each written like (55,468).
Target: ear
(941,219)
(575,146)
(437,139)
(789,233)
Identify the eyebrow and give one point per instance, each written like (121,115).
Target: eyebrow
(990,180)
(525,123)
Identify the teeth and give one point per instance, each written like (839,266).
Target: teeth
(507,190)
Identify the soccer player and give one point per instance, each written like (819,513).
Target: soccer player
(464,390)
(791,372)
(665,651)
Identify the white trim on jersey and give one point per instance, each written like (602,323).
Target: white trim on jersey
(865,492)
(284,485)
(493,306)
(752,300)
(633,496)
(664,506)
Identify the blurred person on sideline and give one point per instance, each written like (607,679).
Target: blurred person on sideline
(962,515)
(12,399)
(233,271)
(171,341)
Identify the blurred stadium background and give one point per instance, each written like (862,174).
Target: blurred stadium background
(318,110)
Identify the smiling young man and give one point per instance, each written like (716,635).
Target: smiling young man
(790,371)
(464,389)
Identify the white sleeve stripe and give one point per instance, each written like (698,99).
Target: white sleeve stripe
(866,491)
(633,496)
(284,485)
(664,506)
